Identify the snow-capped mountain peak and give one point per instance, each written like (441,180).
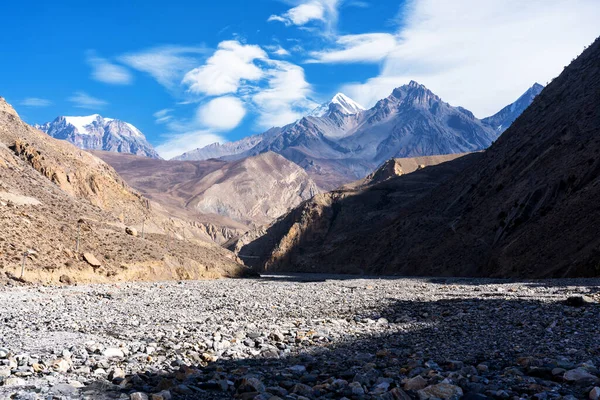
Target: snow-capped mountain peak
(341,102)
(94,132)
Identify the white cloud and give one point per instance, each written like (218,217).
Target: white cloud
(84,100)
(107,72)
(166,64)
(179,143)
(482,54)
(325,11)
(163,116)
(35,102)
(226,69)
(368,47)
(222,113)
(286,97)
(278,50)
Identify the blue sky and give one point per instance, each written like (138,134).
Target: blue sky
(188,73)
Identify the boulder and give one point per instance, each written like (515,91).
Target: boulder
(131,231)
(92,260)
(444,391)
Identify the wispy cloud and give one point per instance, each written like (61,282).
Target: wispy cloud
(35,102)
(166,64)
(84,100)
(163,116)
(481,54)
(277,50)
(324,11)
(368,47)
(107,72)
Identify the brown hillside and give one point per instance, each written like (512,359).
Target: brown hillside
(49,190)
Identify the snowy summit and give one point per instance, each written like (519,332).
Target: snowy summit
(343,103)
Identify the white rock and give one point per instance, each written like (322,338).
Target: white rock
(113,352)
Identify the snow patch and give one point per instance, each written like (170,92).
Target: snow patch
(80,123)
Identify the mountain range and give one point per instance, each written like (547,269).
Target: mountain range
(94,132)
(341,142)
(527,206)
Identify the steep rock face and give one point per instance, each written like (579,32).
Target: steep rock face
(233,195)
(504,118)
(525,207)
(344,143)
(52,193)
(94,132)
(401,166)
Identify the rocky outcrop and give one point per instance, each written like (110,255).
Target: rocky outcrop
(400,166)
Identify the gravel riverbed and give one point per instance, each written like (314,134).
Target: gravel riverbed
(302,337)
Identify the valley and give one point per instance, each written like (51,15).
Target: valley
(300,200)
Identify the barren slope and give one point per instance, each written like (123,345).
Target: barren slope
(233,195)
(49,189)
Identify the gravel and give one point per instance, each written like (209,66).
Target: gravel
(302,337)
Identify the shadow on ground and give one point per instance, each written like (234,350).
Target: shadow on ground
(519,340)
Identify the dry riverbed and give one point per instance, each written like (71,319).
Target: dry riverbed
(302,337)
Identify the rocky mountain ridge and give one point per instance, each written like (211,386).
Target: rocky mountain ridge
(504,118)
(94,132)
(343,143)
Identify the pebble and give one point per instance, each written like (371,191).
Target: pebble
(280,338)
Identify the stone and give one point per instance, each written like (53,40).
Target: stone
(302,390)
(164,395)
(4,371)
(113,352)
(579,301)
(277,336)
(116,373)
(251,384)
(92,260)
(61,365)
(579,376)
(594,393)
(4,353)
(416,383)
(14,382)
(138,396)
(66,279)
(297,369)
(444,391)
(356,389)
(131,231)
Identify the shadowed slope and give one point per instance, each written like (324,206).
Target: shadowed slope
(525,207)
